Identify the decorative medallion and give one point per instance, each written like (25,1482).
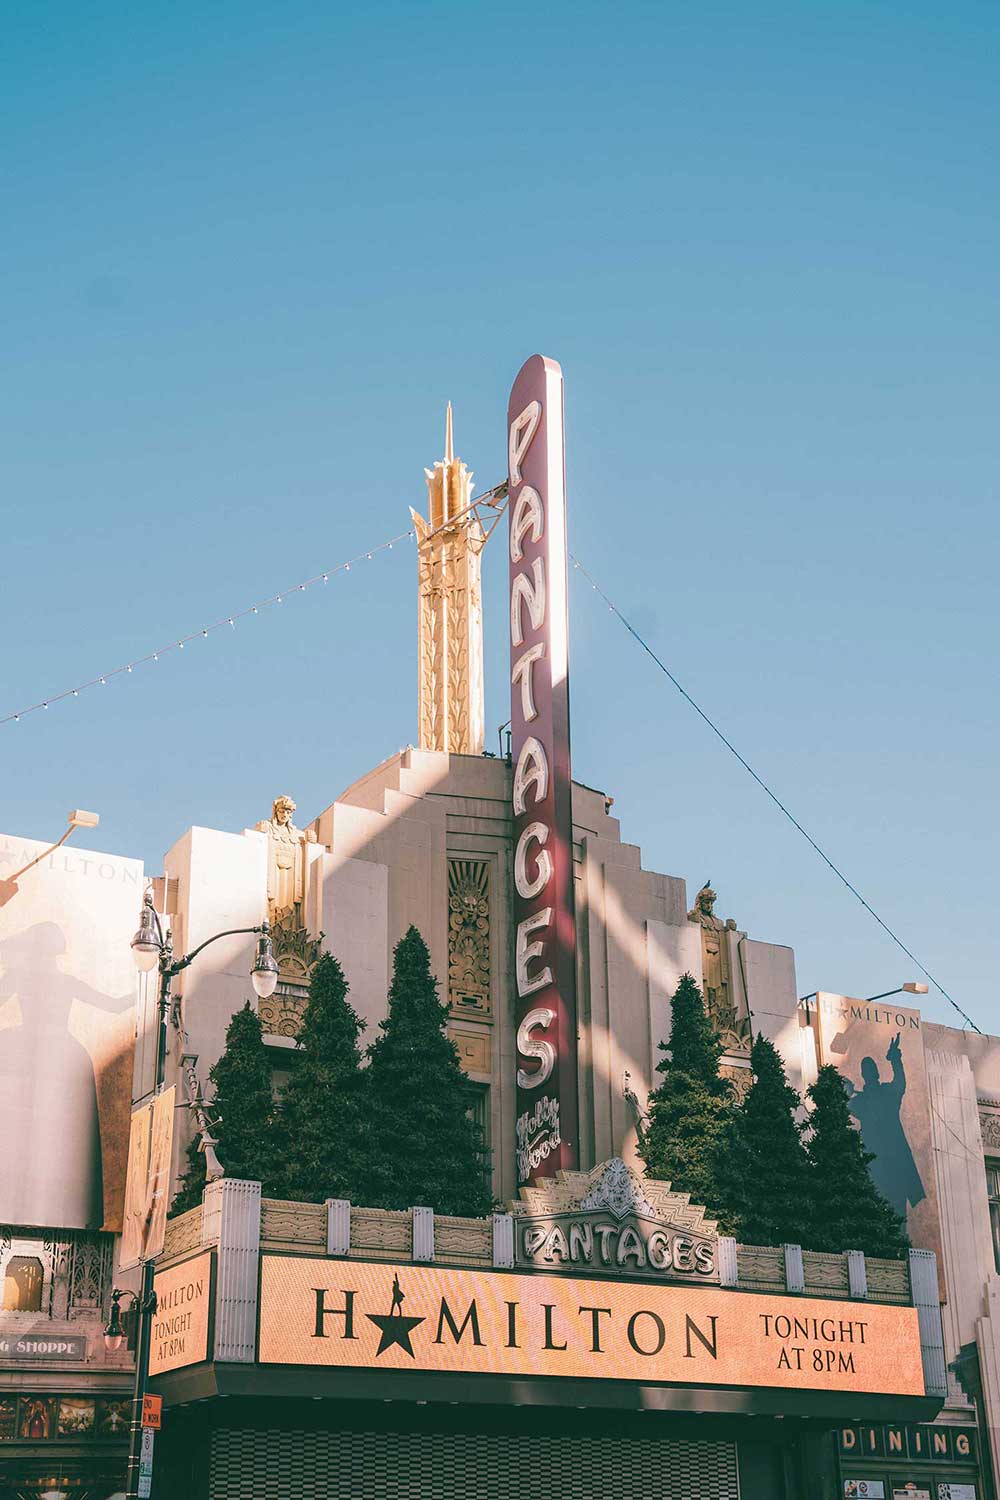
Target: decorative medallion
(619,1192)
(294,949)
(296,953)
(739,1078)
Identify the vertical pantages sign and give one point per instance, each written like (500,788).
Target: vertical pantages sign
(544,919)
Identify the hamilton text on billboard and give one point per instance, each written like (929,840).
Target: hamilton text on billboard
(408,1317)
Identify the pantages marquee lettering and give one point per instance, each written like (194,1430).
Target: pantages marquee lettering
(633,1247)
(360,1315)
(610,1220)
(544,922)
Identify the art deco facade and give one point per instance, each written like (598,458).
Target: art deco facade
(426,838)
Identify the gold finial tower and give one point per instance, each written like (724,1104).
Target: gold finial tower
(449,546)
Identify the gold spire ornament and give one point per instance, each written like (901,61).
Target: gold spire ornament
(451,709)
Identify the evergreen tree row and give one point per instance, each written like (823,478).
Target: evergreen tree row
(390,1135)
(768,1177)
(399,1132)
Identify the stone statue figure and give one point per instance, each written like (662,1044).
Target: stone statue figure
(717,985)
(286,862)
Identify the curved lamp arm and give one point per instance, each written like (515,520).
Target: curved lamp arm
(182,963)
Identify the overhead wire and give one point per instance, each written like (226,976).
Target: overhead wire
(204,631)
(613,609)
(496,493)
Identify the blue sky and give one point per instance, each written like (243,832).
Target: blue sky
(251,250)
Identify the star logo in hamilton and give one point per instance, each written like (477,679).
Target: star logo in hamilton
(393,1326)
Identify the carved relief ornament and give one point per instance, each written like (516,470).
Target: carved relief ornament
(469,937)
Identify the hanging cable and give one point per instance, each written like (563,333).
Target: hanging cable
(495,494)
(613,608)
(104,678)
(489,497)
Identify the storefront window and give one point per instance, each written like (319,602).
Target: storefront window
(480,1109)
(22,1284)
(993,1189)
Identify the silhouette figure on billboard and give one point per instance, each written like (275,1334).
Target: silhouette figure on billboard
(876,1107)
(50,1167)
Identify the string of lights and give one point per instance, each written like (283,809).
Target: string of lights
(103,678)
(492,496)
(613,609)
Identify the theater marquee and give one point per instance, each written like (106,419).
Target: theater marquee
(377,1316)
(179,1334)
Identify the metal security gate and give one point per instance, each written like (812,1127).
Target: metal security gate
(271,1464)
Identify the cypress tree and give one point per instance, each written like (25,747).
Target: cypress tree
(424,1147)
(321,1117)
(243,1111)
(766,1170)
(847,1211)
(690,1110)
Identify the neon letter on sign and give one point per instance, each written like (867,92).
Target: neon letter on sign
(544,920)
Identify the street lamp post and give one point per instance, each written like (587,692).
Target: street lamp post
(912,987)
(78,818)
(152,948)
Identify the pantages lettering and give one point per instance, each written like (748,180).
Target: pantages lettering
(637,1246)
(362,1315)
(544,921)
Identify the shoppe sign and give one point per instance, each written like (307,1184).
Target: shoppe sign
(40,1346)
(544,919)
(355,1314)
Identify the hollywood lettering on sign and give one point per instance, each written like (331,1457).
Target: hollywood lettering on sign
(544,918)
(180,1324)
(363,1315)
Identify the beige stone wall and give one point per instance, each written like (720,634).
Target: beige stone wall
(380,863)
(221,883)
(963,1075)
